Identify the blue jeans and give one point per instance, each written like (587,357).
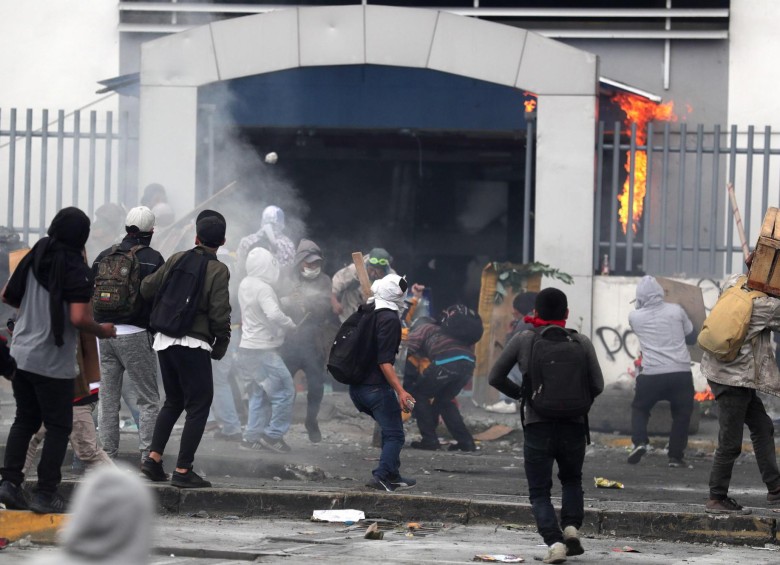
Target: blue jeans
(271,393)
(380,402)
(564,443)
(223,407)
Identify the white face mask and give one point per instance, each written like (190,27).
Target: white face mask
(311,273)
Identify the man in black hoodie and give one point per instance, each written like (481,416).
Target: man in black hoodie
(132,350)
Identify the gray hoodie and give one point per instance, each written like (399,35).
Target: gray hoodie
(661,328)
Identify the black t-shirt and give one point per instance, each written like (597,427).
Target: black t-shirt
(384,341)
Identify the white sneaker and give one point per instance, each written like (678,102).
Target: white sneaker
(556,553)
(571,538)
(502,407)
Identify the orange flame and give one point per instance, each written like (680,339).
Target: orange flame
(639,111)
(704,395)
(530,105)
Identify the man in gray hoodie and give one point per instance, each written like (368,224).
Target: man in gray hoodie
(269,382)
(662,328)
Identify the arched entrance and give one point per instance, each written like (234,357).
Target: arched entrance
(564,78)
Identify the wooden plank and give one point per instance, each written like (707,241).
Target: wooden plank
(690,298)
(776,232)
(761,267)
(768,226)
(360,267)
(768,242)
(42,528)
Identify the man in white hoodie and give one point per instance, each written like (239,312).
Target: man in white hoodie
(662,329)
(269,382)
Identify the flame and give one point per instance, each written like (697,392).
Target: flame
(704,395)
(530,105)
(639,111)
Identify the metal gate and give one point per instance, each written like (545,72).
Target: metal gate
(684,224)
(54,160)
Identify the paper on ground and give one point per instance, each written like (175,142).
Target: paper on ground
(338,515)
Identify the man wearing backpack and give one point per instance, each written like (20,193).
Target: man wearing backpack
(561,377)
(735,384)
(118,273)
(191,316)
(662,329)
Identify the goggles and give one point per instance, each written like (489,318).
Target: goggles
(375,261)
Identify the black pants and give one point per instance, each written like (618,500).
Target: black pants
(188,384)
(563,443)
(303,353)
(39,400)
(738,406)
(435,394)
(678,389)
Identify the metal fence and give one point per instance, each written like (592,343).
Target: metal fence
(686,225)
(54,160)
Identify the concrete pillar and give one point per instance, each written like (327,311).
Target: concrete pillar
(565,169)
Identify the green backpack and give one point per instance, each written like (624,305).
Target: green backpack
(118,283)
(724,330)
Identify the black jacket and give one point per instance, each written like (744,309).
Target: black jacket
(150,261)
(383,339)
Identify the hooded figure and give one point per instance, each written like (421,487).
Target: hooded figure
(111,522)
(270,236)
(390,292)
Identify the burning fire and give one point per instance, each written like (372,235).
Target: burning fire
(705,395)
(530,101)
(639,111)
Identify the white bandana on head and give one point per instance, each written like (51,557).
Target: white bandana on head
(388,292)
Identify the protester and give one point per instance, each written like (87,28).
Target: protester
(156,199)
(112,523)
(735,385)
(346,293)
(185,362)
(666,369)
(54,304)
(522,305)
(269,382)
(380,394)
(307,302)
(450,367)
(270,236)
(118,272)
(550,440)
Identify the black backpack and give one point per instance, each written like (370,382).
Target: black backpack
(176,302)
(351,349)
(118,283)
(461,323)
(557,385)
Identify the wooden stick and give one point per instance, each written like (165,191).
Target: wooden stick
(362,273)
(738,219)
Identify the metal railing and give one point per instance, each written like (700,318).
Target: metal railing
(687,226)
(74,159)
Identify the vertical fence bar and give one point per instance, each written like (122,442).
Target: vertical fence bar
(598,197)
(75,175)
(211,157)
(108,152)
(60,155)
(697,198)
(11,167)
(732,179)
(122,152)
(28,130)
(631,181)
(44,172)
(664,196)
(645,205)
(91,171)
(681,198)
(749,182)
(613,208)
(529,156)
(765,181)
(715,196)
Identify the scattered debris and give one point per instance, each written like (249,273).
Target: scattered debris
(23,543)
(342,516)
(513,526)
(306,472)
(626,549)
(3,543)
(231,517)
(372,532)
(601,482)
(494,432)
(499,558)
(199,514)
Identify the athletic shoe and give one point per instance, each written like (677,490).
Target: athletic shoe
(677,463)
(773,496)
(190,479)
(636,455)
(13,496)
(502,407)
(556,553)
(402,483)
(313,429)
(571,539)
(425,446)
(469,448)
(380,484)
(47,503)
(278,445)
(219,434)
(725,506)
(251,446)
(153,470)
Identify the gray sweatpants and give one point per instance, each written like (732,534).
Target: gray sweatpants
(132,353)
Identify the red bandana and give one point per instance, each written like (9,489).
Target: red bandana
(538,322)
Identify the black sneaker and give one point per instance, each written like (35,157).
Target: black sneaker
(427,446)
(402,483)
(13,496)
(153,470)
(190,479)
(276,445)
(469,448)
(252,446)
(636,455)
(47,503)
(227,437)
(677,463)
(381,484)
(313,429)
